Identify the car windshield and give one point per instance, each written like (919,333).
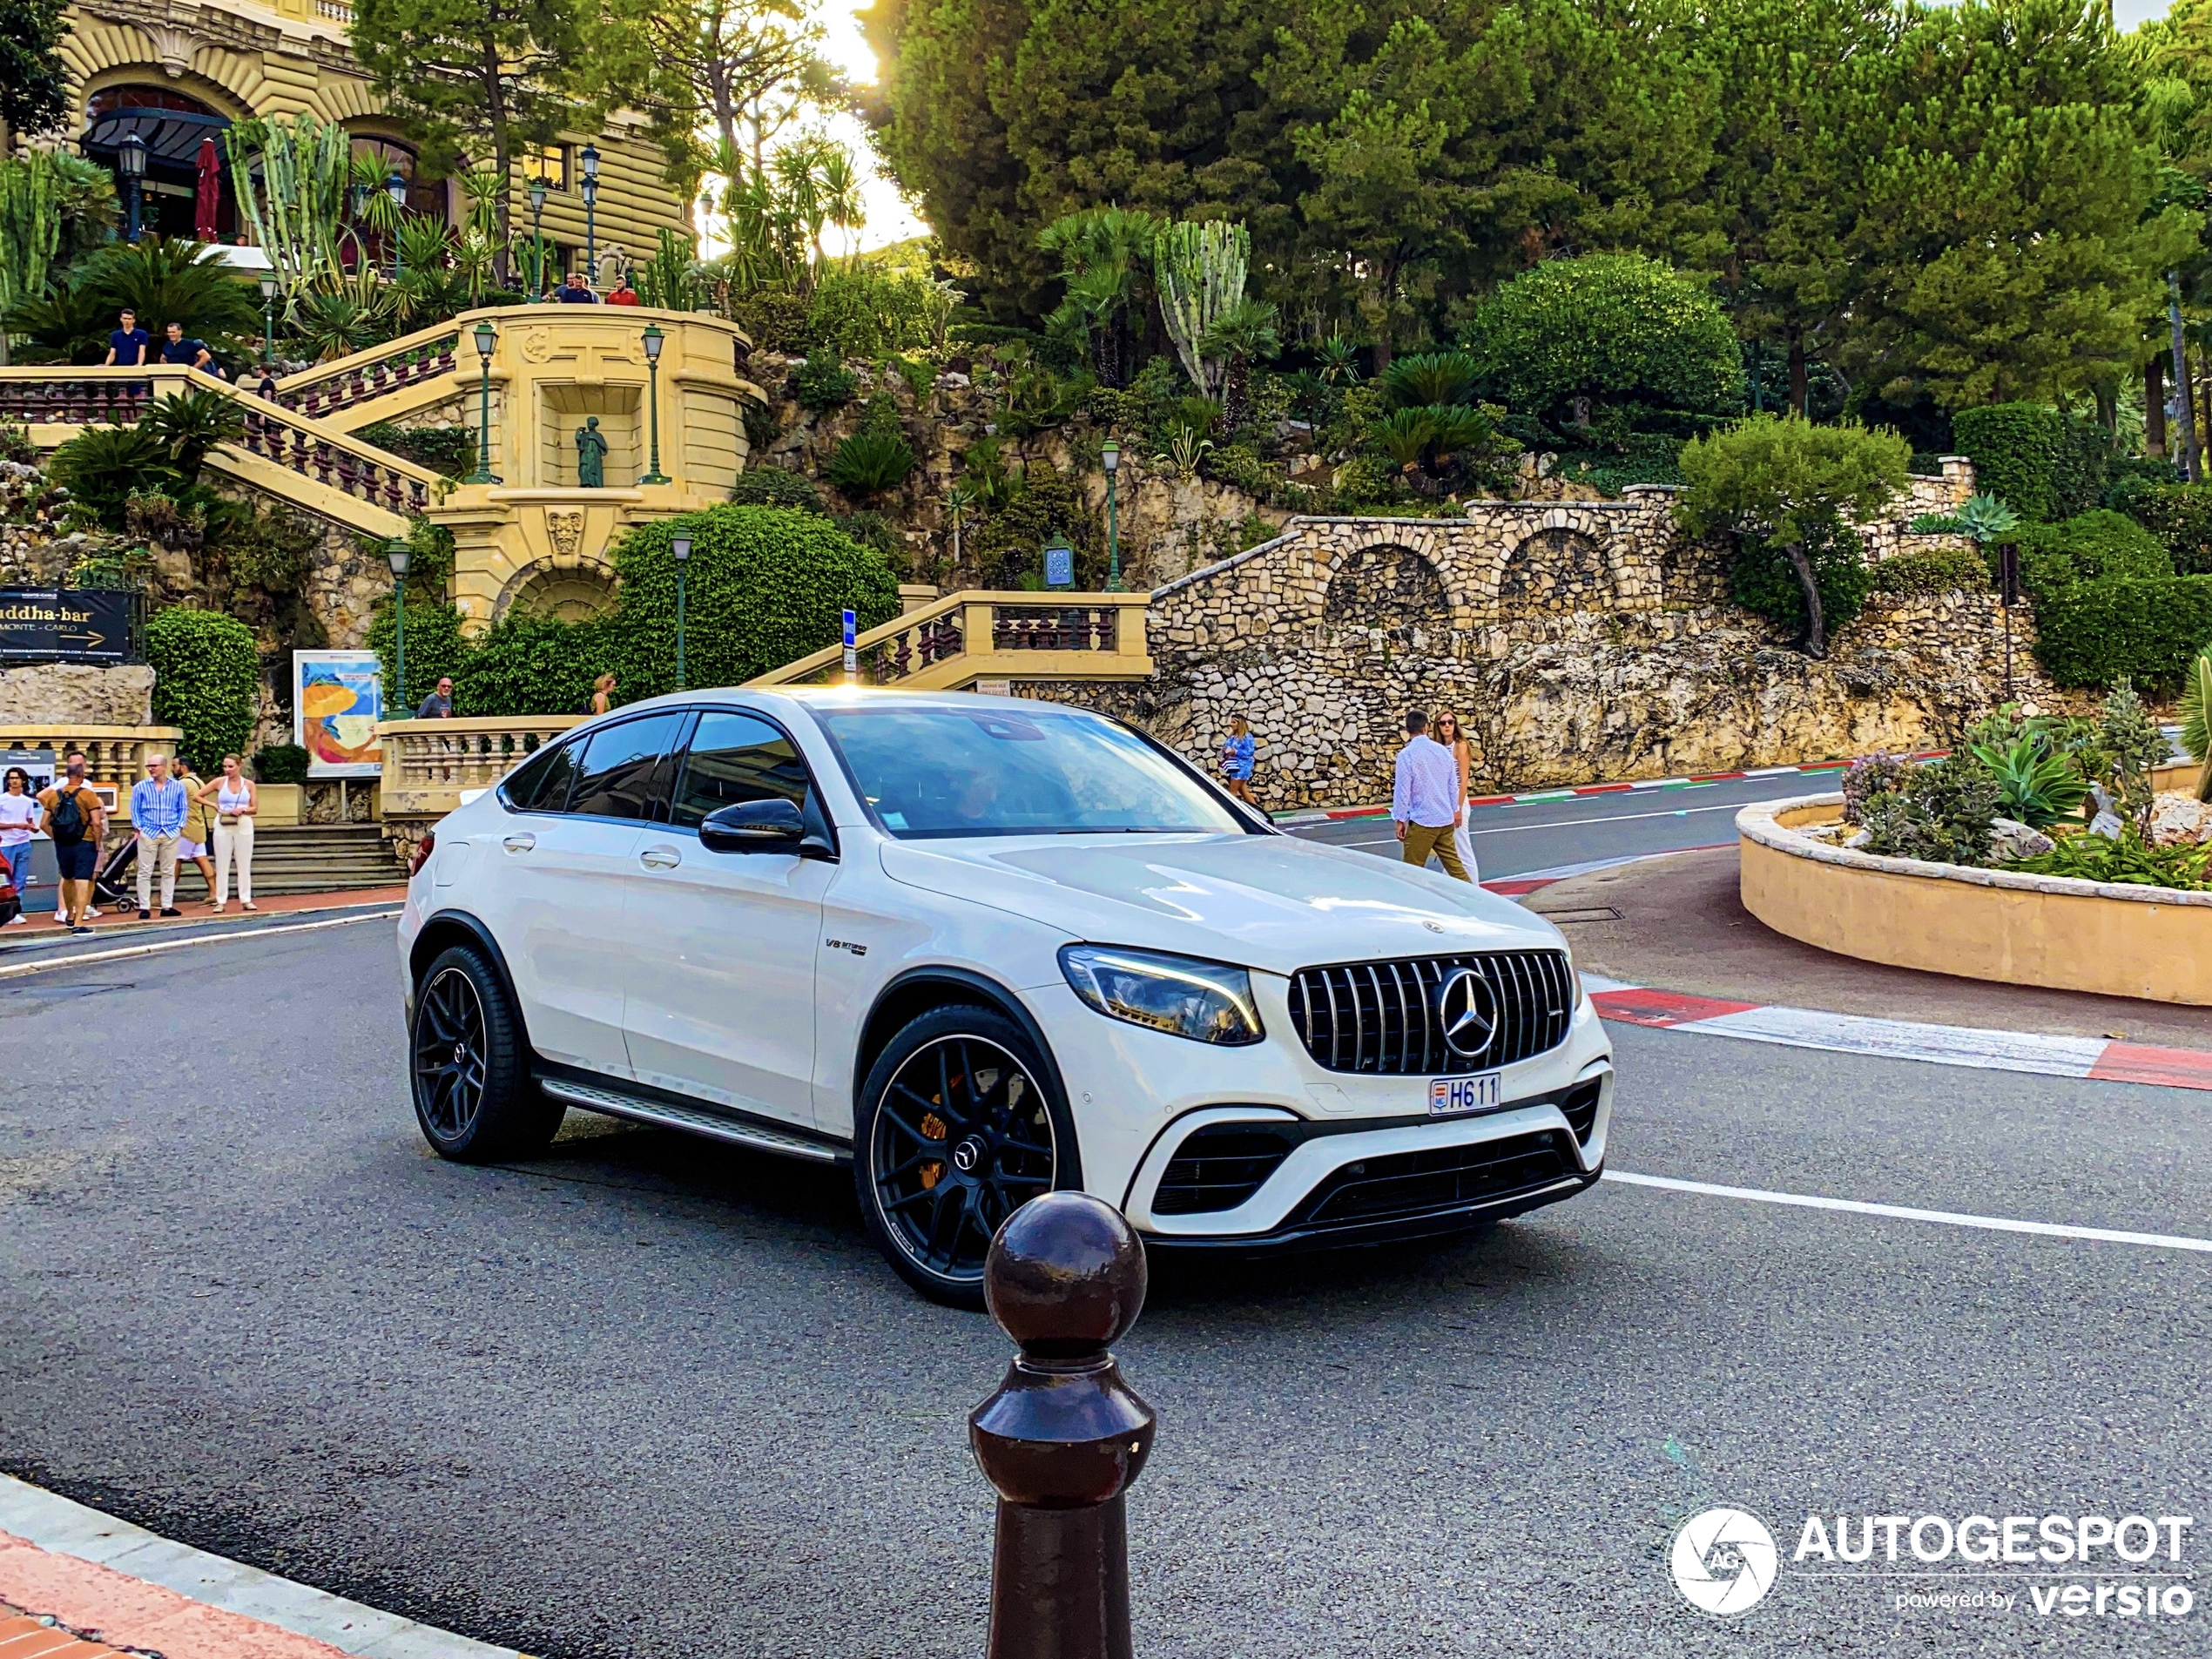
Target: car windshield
(938,772)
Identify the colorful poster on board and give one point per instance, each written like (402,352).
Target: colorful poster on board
(337,698)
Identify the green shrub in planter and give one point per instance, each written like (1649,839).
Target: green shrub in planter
(206,677)
(281,763)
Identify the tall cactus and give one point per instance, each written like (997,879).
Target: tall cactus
(1200,269)
(30,230)
(290,176)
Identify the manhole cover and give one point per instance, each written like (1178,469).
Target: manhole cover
(1594,913)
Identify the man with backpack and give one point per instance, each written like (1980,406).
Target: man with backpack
(76,823)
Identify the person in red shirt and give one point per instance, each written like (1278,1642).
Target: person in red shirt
(622,293)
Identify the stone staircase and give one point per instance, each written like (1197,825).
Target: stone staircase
(311,858)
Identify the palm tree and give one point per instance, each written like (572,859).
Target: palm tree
(1105,255)
(1242,335)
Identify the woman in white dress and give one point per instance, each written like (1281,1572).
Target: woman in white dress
(1445,728)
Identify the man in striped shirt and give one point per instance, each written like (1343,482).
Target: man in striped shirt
(158,806)
(1426,798)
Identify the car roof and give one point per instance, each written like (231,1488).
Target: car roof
(835,697)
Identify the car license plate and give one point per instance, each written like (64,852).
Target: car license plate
(1482,1092)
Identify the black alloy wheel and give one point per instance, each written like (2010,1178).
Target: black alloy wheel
(467,1066)
(957,1135)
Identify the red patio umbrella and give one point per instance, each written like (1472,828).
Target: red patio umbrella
(205,198)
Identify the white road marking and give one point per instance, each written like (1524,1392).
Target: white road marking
(1903,1212)
(129,951)
(1573,823)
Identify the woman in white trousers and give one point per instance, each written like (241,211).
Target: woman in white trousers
(1445,730)
(236,801)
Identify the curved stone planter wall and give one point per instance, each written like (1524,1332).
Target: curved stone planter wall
(2049,931)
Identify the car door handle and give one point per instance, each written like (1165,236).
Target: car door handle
(660,857)
(519,843)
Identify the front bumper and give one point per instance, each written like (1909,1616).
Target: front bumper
(1348,1159)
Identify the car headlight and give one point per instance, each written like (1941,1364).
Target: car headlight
(1205,1002)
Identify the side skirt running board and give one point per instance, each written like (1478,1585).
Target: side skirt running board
(713,1125)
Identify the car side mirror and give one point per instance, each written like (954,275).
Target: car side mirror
(754,826)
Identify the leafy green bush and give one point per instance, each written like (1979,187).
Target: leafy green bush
(824,383)
(1615,327)
(767,486)
(533,665)
(103,466)
(206,677)
(1007,545)
(1867,777)
(2127,861)
(1940,811)
(1761,578)
(869,463)
(434,648)
(1239,465)
(2178,515)
(773,319)
(1948,569)
(2084,548)
(2043,463)
(861,312)
(765,588)
(2147,629)
(281,763)
(449,450)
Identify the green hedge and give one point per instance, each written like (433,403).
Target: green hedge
(281,763)
(765,588)
(1950,569)
(2180,515)
(2091,633)
(450,451)
(207,678)
(2043,463)
(2085,547)
(434,647)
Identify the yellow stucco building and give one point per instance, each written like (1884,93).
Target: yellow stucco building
(178,71)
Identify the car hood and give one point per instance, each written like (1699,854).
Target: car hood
(1264,901)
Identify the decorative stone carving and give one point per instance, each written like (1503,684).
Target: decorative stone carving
(173,46)
(565,531)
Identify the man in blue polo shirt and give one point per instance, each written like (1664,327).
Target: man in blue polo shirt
(577,292)
(189,354)
(126,346)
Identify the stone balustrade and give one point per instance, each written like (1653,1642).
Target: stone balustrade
(428,763)
(967,639)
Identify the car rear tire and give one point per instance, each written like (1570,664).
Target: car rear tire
(467,1071)
(957,1125)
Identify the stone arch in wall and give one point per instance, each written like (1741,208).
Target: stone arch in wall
(557,591)
(1393,594)
(1554,570)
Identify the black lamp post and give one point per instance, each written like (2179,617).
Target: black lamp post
(268,317)
(1111,456)
(487,337)
(131,157)
(681,547)
(537,240)
(589,159)
(653,340)
(395,187)
(397,551)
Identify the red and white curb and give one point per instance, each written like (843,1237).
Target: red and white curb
(1332,814)
(141,1591)
(2093,1059)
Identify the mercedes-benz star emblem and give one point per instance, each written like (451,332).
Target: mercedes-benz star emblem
(1467,1009)
(967,1155)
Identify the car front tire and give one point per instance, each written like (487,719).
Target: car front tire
(956,1128)
(470,1080)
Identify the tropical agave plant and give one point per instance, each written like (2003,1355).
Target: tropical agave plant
(2034,785)
(1339,360)
(1428,379)
(1983,519)
(995,483)
(1187,447)
(333,324)
(2197,720)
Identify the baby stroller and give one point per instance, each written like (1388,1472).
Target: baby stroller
(109,881)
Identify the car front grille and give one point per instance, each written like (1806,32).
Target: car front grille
(1578,1106)
(1218,1168)
(1404,1184)
(1380,1017)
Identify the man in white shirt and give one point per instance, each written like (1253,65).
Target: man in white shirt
(1426,798)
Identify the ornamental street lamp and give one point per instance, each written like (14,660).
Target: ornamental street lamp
(653,338)
(1110,455)
(590,158)
(130,158)
(268,317)
(681,547)
(396,552)
(395,187)
(537,240)
(487,337)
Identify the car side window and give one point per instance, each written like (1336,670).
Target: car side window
(624,773)
(737,758)
(540,783)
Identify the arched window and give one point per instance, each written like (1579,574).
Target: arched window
(1392,590)
(174,125)
(1556,569)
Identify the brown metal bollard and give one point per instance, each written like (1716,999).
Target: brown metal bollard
(1064,1437)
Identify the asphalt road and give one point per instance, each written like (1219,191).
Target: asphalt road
(1521,836)
(653,1397)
